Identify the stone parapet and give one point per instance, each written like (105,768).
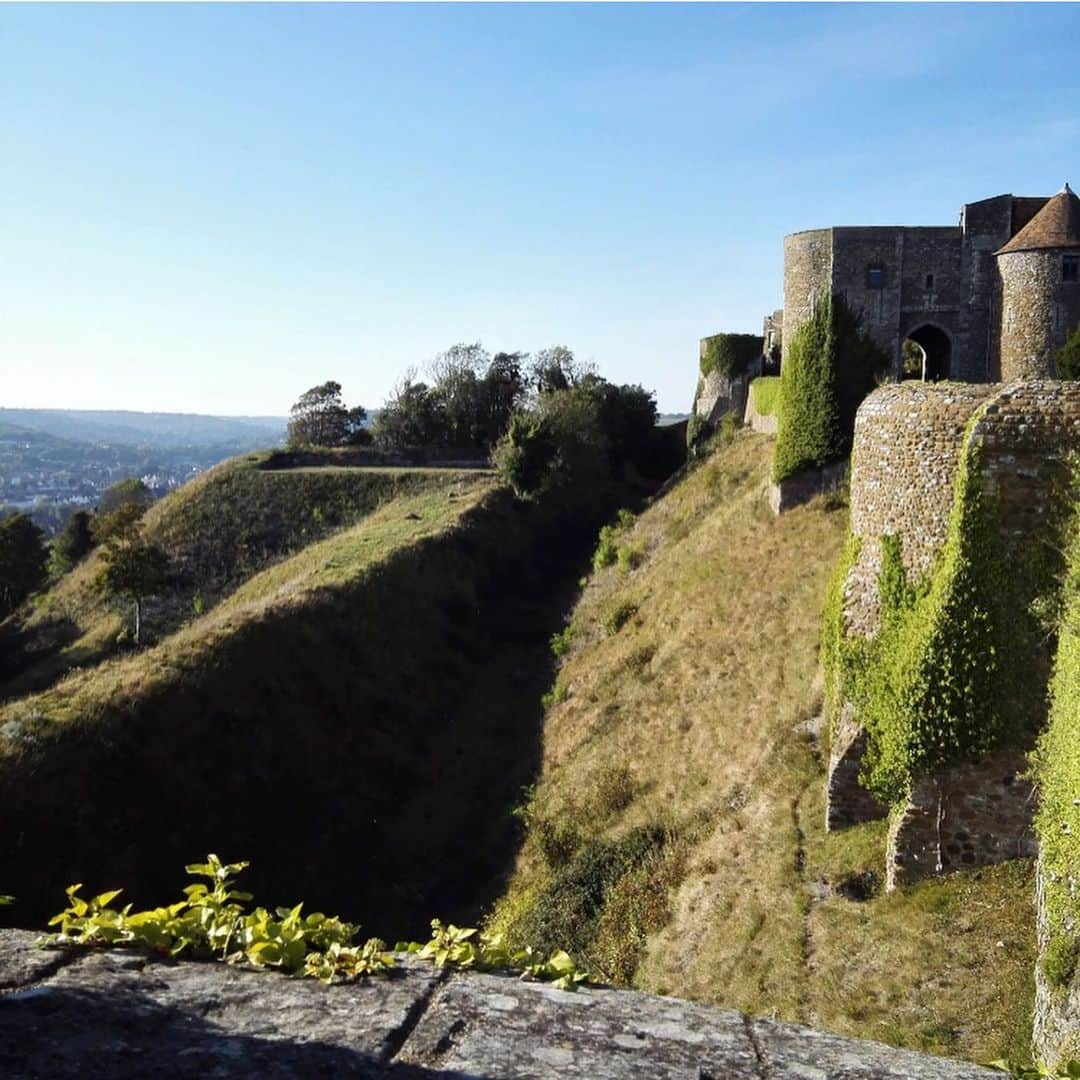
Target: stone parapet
(123,1015)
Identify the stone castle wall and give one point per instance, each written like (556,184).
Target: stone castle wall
(1039,312)
(973,814)
(908,444)
(903,464)
(807,275)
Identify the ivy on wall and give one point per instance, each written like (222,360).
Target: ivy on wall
(730,355)
(831,366)
(765,395)
(959,664)
(1057,769)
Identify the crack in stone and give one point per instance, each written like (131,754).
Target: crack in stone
(64,958)
(396,1040)
(764,1069)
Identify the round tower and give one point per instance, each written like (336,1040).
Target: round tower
(1040,289)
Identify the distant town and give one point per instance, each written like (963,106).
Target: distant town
(53,462)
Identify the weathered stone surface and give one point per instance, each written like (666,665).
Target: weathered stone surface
(909,442)
(972,814)
(847,801)
(472,1024)
(804,485)
(120,1014)
(791,1052)
(718,396)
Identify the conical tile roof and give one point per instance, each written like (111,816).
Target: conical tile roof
(1056,225)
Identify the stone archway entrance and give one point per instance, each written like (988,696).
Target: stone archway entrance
(926,354)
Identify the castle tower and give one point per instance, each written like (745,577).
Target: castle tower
(1040,278)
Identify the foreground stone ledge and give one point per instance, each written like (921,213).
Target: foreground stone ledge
(120,1014)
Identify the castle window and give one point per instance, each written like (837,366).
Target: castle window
(1070,268)
(875,277)
(929,282)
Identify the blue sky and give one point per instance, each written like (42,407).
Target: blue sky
(212,208)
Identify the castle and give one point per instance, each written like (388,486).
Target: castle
(987,300)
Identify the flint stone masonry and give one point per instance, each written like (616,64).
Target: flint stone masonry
(974,814)
(979,313)
(1040,310)
(903,464)
(120,1015)
(847,801)
(907,450)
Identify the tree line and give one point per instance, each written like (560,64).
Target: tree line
(548,420)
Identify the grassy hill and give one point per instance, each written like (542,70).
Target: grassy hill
(218,530)
(356,718)
(676,834)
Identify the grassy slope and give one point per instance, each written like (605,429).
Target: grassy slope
(708,695)
(218,529)
(342,720)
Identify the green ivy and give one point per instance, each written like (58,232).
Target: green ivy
(1057,769)
(830,366)
(212,922)
(730,355)
(765,395)
(956,667)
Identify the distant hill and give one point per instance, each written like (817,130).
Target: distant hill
(149,429)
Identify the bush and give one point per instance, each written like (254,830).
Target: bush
(557,840)
(1067,358)
(607,548)
(23,557)
(639,659)
(619,616)
(561,642)
(72,544)
(631,556)
(569,910)
(557,450)
(831,366)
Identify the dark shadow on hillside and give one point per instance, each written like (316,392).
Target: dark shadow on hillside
(364,750)
(63,1033)
(22,650)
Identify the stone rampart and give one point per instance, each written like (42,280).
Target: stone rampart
(807,275)
(906,453)
(909,442)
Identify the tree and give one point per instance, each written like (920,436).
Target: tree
(556,368)
(129,490)
(557,450)
(72,544)
(503,394)
(1067,358)
(320,418)
(408,418)
(133,568)
(23,557)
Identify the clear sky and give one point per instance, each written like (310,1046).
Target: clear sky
(212,208)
